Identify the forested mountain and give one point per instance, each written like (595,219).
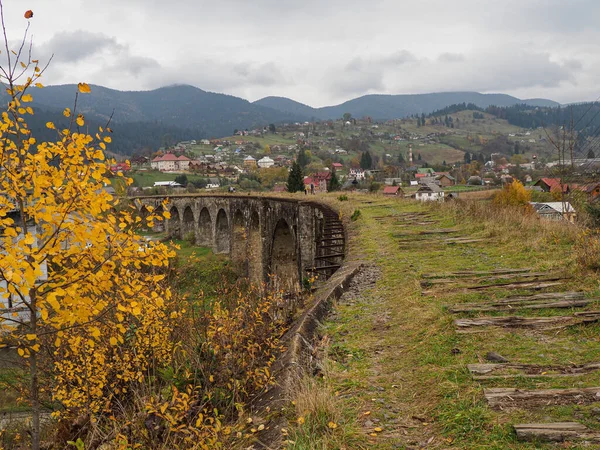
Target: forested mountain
(384,107)
(151,119)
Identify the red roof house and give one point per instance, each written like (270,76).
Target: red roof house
(552,184)
(392,190)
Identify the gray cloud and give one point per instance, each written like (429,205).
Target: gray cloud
(323,52)
(73,46)
(451,57)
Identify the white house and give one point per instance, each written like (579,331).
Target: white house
(357,174)
(166,184)
(265,162)
(170,163)
(429,193)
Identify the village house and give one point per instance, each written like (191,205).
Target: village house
(170,163)
(319,180)
(120,167)
(393,191)
(357,174)
(429,193)
(592,190)
(555,211)
(265,162)
(445,179)
(337,166)
(552,184)
(249,162)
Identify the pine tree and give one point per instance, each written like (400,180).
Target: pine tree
(366,162)
(303,158)
(591,154)
(334,183)
(419,157)
(295,182)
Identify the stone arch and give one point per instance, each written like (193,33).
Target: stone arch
(238,243)
(222,243)
(255,250)
(174,223)
(159,221)
(205,230)
(188,224)
(284,258)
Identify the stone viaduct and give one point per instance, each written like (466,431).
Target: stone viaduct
(269,239)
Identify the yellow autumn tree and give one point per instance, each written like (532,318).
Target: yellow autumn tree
(82,301)
(513,194)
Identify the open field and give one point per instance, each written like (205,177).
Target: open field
(398,363)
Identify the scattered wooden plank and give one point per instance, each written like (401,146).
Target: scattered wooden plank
(533,285)
(538,284)
(455,241)
(547,323)
(523,398)
(439,231)
(525,304)
(481,372)
(555,432)
(510,277)
(473,273)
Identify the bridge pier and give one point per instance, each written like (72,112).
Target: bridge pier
(270,240)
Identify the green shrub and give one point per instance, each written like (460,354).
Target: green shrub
(343,198)
(190,237)
(355,215)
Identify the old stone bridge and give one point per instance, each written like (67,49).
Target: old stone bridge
(269,239)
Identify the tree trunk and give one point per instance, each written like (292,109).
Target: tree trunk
(35,398)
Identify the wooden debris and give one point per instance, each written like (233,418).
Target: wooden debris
(473,273)
(464,241)
(439,231)
(481,372)
(511,397)
(509,277)
(555,432)
(545,323)
(538,284)
(528,284)
(542,303)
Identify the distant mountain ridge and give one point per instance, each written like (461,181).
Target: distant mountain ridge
(151,119)
(385,107)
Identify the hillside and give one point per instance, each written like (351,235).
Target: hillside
(384,107)
(162,117)
(180,110)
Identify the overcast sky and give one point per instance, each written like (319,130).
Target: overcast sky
(321,52)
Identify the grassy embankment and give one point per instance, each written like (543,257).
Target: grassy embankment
(395,367)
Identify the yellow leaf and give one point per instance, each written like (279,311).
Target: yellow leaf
(39,85)
(67,112)
(36,347)
(31,337)
(332,425)
(20,351)
(366,413)
(261,427)
(136,311)
(50,125)
(107,139)
(300,420)
(84,88)
(27,98)
(80,120)
(378,429)
(113,341)
(211,379)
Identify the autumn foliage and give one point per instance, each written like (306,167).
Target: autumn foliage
(513,194)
